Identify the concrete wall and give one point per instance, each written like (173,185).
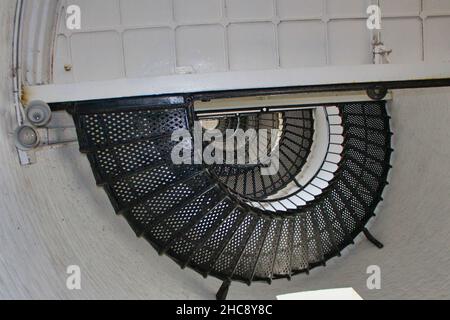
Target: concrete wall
(52,215)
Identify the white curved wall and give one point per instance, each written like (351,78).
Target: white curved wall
(52,215)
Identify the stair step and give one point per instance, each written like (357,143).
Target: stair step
(200,215)
(205,257)
(137,189)
(264,267)
(202,232)
(108,130)
(300,261)
(283,263)
(180,213)
(244,269)
(149,209)
(227,261)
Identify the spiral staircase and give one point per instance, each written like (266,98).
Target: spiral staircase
(230,221)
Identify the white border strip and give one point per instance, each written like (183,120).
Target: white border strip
(328,294)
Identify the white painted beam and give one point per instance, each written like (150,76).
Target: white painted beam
(196,83)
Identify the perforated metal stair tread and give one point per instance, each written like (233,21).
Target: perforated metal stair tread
(229,221)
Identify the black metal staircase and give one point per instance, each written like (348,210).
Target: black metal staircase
(228,221)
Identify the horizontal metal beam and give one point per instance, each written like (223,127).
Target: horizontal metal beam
(280,102)
(208,85)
